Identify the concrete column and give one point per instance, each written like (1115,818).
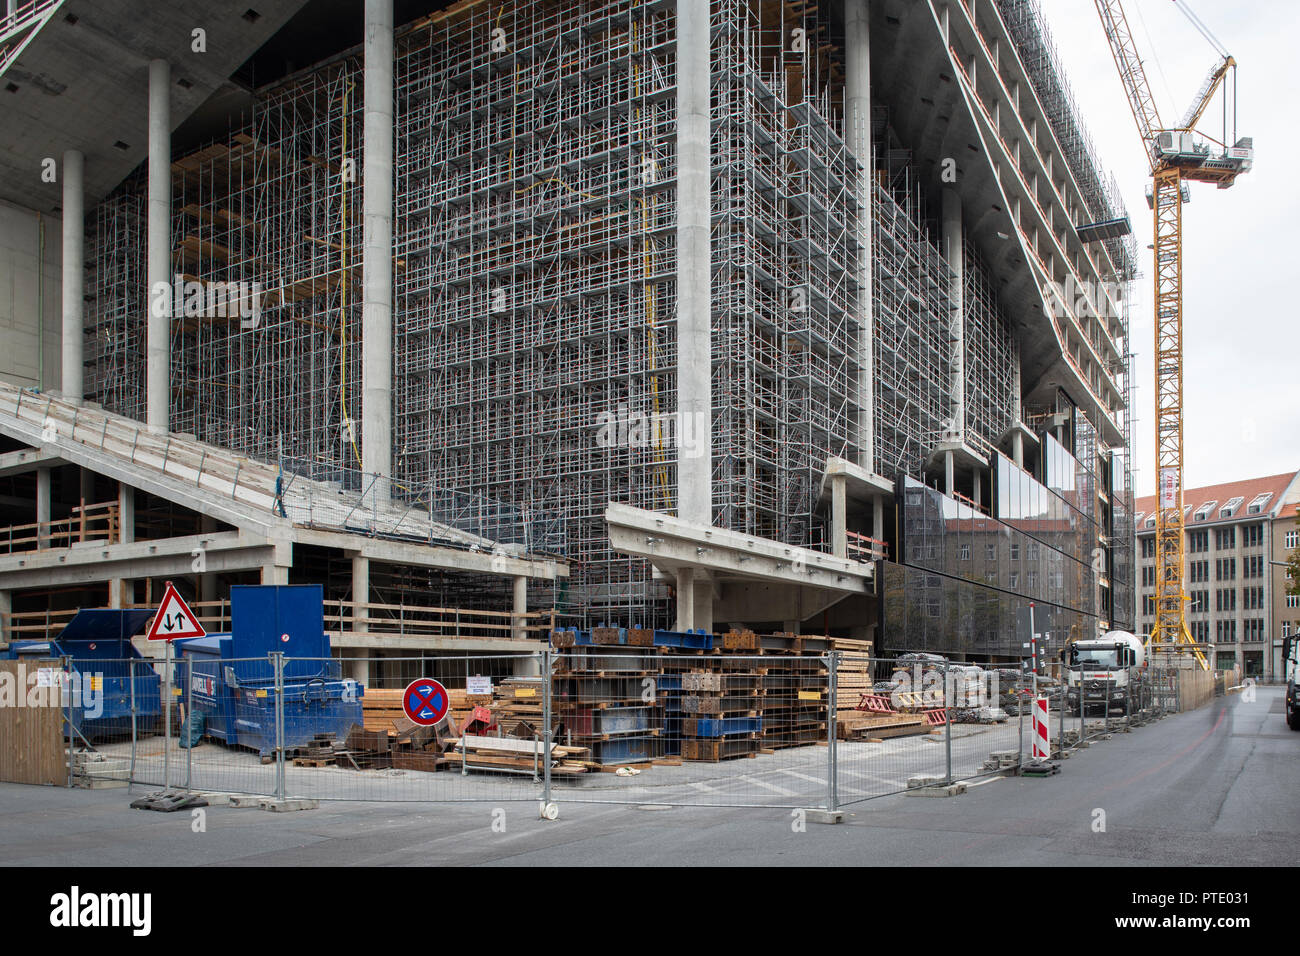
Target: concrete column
(948,477)
(158,329)
(952,250)
(839,525)
(977,489)
(42,506)
(86,491)
(377,249)
(6,613)
(878,518)
(358,665)
(857,136)
(790,627)
(74,248)
(1018,449)
(520,608)
(694,288)
(703,603)
(685,599)
(126,513)
(275,574)
(360,591)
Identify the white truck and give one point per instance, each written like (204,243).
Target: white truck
(1103,673)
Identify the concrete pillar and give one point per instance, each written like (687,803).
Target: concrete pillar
(42,507)
(159,256)
(275,574)
(86,489)
(1018,449)
(839,525)
(685,599)
(952,250)
(949,482)
(694,290)
(6,613)
(790,627)
(74,248)
(857,136)
(703,602)
(878,518)
(360,592)
(377,246)
(126,513)
(977,489)
(520,608)
(358,665)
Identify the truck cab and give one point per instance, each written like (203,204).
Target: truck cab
(1100,674)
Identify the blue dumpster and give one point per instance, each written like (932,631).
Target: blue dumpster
(102,658)
(232,681)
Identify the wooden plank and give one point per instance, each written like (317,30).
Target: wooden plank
(31,737)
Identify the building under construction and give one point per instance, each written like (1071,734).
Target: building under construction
(808,316)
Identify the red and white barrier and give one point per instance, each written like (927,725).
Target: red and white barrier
(1042,745)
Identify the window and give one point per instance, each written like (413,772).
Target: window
(1199,602)
(1225,630)
(1015,552)
(1200,631)
(1252,536)
(1198,541)
(1149,576)
(1148,604)
(964,553)
(1225,539)
(1293,600)
(1252,566)
(1252,599)
(991,552)
(1204,510)
(1257,505)
(1228,510)
(1225,599)
(1253,629)
(1198,572)
(1292,540)
(1225,569)
(1149,547)
(1151,522)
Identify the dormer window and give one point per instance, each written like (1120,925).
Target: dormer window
(1204,510)
(1227,510)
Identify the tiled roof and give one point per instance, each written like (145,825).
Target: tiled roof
(1248,490)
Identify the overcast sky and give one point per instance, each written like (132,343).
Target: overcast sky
(1241,337)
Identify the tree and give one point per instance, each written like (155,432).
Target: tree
(1293,566)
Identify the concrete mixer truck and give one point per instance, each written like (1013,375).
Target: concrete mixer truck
(1103,671)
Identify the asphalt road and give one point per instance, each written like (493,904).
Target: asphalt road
(1216,786)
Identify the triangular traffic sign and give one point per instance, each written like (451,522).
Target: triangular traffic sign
(174,619)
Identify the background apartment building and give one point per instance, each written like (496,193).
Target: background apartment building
(1237,536)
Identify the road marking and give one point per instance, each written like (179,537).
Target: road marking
(768,786)
(820,781)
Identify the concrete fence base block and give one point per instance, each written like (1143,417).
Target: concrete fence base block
(824,816)
(916,782)
(948,790)
(272,804)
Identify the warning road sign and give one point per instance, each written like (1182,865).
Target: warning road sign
(425,702)
(174,619)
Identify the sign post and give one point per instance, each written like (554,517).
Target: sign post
(174,620)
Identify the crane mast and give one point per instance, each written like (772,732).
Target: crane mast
(1176,155)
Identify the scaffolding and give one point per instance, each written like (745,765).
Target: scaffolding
(535,346)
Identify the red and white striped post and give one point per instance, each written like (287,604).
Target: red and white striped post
(1042,747)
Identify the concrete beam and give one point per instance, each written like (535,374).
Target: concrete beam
(95,562)
(419,555)
(377,249)
(348,642)
(159,253)
(670,543)
(74,245)
(28,459)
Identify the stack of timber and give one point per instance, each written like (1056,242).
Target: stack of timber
(513,755)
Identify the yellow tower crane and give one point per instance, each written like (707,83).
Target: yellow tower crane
(1177,155)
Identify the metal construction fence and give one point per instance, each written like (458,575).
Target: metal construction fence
(592,724)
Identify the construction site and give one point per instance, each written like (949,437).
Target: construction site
(660,382)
